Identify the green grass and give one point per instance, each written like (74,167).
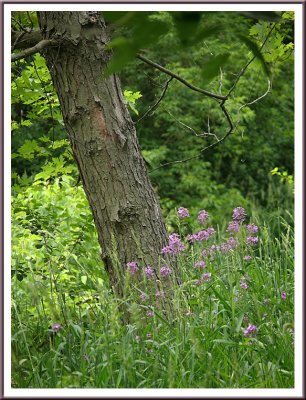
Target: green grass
(57,277)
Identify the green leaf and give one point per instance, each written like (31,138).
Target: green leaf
(239,320)
(143,33)
(131,98)
(258,29)
(225,341)
(186,24)
(270,16)
(148,32)
(206,32)
(84,279)
(222,299)
(29,149)
(256,51)
(58,144)
(212,68)
(124,52)
(274,171)
(288,15)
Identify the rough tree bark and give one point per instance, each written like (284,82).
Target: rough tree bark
(104,143)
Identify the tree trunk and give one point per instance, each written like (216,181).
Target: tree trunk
(104,143)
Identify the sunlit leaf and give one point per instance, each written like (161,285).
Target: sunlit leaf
(131,98)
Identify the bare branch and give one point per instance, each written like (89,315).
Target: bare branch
(241,73)
(191,129)
(158,101)
(230,130)
(19,24)
(30,19)
(224,110)
(18,38)
(252,102)
(179,78)
(28,39)
(35,49)
(154,81)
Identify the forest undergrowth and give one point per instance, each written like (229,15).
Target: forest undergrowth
(230,321)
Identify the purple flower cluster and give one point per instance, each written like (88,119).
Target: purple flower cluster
(252,240)
(213,248)
(244,281)
(284,295)
(132,267)
(239,214)
(175,245)
(251,228)
(250,330)
(56,327)
(230,244)
(205,253)
(233,227)
(150,313)
(243,284)
(149,271)
(143,297)
(165,271)
(202,235)
(200,264)
(202,216)
(183,212)
(204,278)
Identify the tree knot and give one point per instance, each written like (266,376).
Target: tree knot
(128,212)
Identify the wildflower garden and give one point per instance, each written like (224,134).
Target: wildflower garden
(214,308)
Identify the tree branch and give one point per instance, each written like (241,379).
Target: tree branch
(35,49)
(196,89)
(27,39)
(182,80)
(158,101)
(230,130)
(249,62)
(18,38)
(201,135)
(252,102)
(223,98)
